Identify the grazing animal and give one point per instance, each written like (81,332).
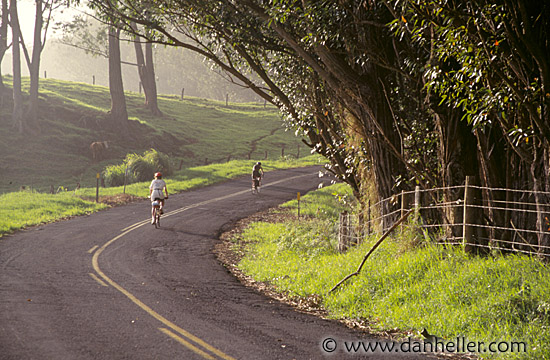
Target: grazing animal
(98,149)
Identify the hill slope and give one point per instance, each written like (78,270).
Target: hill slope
(73,115)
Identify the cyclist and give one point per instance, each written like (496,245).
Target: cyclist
(157,189)
(257,173)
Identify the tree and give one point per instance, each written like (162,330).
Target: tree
(17,113)
(146,71)
(118,112)
(91,37)
(43,14)
(3,42)
(252,50)
(490,60)
(404,92)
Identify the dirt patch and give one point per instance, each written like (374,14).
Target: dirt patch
(115,200)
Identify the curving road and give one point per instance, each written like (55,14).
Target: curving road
(110,286)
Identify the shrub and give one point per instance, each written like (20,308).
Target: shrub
(114,175)
(160,161)
(140,168)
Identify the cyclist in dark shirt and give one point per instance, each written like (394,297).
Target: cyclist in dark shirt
(257,174)
(257,171)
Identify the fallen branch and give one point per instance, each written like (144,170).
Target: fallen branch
(403,218)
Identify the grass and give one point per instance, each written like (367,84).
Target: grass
(193,131)
(503,298)
(22,209)
(26,208)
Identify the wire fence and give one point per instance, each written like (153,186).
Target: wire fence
(479,218)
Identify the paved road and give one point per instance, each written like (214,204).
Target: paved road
(110,286)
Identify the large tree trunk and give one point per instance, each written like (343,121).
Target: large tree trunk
(151,100)
(3,44)
(119,114)
(34,65)
(146,71)
(17,114)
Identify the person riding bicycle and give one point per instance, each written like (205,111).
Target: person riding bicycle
(157,189)
(257,171)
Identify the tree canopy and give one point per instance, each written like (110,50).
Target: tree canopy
(396,93)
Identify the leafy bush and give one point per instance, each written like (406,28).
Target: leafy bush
(160,161)
(114,175)
(140,168)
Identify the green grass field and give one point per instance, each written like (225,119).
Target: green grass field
(404,288)
(27,208)
(192,132)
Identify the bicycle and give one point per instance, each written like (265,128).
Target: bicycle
(256,182)
(156,212)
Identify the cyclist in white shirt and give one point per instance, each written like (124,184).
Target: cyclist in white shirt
(157,189)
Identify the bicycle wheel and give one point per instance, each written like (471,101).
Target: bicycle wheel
(157,218)
(255,186)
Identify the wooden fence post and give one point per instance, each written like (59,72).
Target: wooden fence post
(97,188)
(417,203)
(368,219)
(404,207)
(468,218)
(343,233)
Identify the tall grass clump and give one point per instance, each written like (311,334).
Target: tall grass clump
(407,284)
(140,168)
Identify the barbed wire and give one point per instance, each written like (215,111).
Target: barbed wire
(525,239)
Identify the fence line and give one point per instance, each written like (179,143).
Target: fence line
(487,219)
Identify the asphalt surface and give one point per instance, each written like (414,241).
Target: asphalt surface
(111,286)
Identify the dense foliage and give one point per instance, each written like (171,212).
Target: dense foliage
(137,168)
(401,92)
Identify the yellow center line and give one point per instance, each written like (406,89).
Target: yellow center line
(97,279)
(186,343)
(154,314)
(92,249)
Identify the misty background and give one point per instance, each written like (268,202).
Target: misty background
(176,69)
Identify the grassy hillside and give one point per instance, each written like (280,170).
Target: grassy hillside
(73,115)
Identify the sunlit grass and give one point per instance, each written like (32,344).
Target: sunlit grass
(199,176)
(444,290)
(25,208)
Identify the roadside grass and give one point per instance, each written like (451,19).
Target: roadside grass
(25,208)
(407,288)
(199,176)
(22,209)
